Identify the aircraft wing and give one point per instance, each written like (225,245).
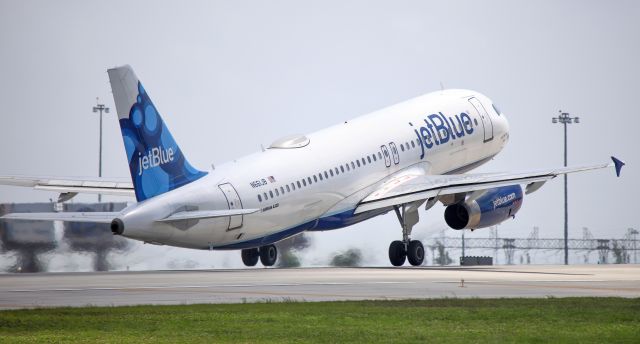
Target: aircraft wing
(69,187)
(418,186)
(95,217)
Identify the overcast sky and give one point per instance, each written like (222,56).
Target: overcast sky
(230,76)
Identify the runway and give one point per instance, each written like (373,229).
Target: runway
(314,284)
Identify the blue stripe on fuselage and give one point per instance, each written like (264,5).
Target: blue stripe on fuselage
(335,221)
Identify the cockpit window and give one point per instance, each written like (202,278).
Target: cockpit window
(496,109)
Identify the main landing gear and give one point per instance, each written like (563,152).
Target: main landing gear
(407,249)
(267,254)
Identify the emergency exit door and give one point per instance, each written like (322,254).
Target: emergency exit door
(394,153)
(234,202)
(387,157)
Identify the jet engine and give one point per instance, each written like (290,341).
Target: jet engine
(484,208)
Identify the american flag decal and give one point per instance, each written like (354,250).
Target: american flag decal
(271,179)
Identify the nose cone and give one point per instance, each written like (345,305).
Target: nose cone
(502,128)
(504,125)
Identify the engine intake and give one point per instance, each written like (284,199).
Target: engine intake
(493,207)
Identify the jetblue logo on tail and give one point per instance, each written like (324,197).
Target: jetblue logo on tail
(156,163)
(155,157)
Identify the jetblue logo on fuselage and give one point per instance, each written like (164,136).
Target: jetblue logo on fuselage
(440,129)
(156,156)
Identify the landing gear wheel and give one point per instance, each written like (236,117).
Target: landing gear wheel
(268,255)
(250,256)
(415,253)
(397,253)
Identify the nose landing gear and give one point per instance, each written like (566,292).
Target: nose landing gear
(407,249)
(266,254)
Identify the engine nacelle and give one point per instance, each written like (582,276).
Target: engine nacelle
(491,208)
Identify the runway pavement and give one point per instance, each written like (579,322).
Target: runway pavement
(314,284)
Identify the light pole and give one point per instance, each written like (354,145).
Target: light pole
(463,255)
(565,118)
(633,234)
(100,108)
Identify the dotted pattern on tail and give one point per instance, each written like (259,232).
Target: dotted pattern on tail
(156,163)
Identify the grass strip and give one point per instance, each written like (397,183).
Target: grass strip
(570,320)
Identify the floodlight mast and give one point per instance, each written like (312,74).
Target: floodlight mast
(565,118)
(100,108)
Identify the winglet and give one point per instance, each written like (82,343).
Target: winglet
(618,165)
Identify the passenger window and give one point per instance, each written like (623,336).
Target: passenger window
(265,196)
(309,180)
(259,198)
(293,186)
(277,193)
(379,155)
(299,186)
(315,179)
(402,147)
(337,172)
(326,175)
(369,159)
(374,157)
(304,182)
(331,172)
(271,193)
(320,175)
(363,162)
(288,189)
(358,162)
(282,190)
(353,165)
(341,169)
(413,145)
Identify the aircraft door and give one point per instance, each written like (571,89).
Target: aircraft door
(387,157)
(234,202)
(487,124)
(394,153)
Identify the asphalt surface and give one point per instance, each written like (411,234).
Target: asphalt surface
(314,284)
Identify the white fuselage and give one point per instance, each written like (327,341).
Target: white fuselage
(318,185)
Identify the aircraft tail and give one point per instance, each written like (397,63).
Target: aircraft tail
(156,163)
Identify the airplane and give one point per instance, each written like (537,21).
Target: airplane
(399,159)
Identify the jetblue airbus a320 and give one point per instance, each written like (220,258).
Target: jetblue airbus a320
(398,159)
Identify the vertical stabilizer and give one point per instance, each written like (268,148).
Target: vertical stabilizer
(156,163)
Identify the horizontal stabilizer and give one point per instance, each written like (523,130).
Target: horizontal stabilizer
(207,214)
(94,217)
(116,187)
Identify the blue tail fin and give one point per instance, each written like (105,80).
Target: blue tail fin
(156,163)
